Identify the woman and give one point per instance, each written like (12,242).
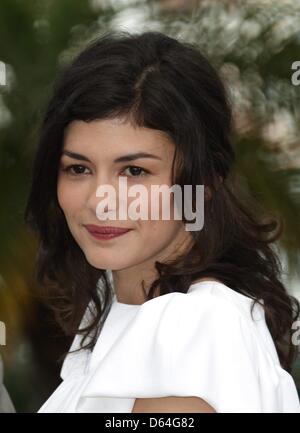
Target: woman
(164,319)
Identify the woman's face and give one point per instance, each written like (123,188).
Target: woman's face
(103,142)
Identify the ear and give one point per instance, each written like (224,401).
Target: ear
(207,193)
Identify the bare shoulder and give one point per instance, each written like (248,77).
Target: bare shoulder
(172,404)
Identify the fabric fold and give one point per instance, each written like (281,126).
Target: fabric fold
(204,343)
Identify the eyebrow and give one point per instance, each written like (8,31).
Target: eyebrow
(125,158)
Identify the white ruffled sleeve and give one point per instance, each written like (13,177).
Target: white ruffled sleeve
(204,344)
(224,357)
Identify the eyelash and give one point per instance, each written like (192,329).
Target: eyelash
(69,168)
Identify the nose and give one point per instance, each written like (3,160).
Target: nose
(102,198)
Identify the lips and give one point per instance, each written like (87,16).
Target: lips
(106,230)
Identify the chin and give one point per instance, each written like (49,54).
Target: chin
(106,263)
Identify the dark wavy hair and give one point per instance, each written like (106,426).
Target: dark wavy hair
(157,82)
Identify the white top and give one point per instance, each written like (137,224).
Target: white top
(6,405)
(203,343)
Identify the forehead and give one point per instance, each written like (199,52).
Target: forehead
(113,137)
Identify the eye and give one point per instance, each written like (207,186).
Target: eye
(78,169)
(136,171)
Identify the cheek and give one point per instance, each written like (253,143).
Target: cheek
(161,206)
(67,199)
(159,233)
